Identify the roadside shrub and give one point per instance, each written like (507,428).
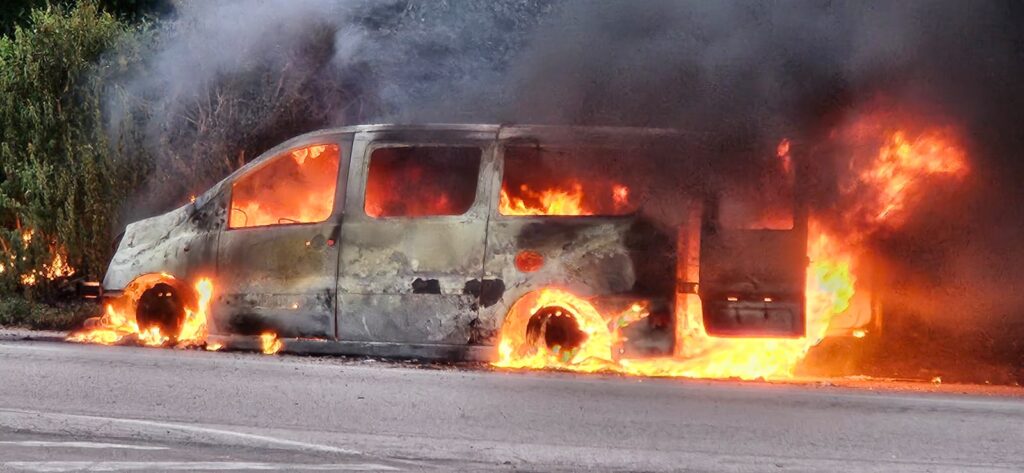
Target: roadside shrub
(59,177)
(16,311)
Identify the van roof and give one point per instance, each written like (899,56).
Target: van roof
(507,129)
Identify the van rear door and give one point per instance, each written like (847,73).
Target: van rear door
(753,258)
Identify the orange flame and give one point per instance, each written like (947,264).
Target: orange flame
(885,187)
(548,202)
(568,200)
(114,326)
(118,324)
(516,349)
(892,176)
(297,190)
(782,151)
(193,328)
(830,285)
(269,344)
(57,268)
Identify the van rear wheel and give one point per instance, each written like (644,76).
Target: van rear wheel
(557,328)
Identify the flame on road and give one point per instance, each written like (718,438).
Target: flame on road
(113,327)
(829,286)
(269,344)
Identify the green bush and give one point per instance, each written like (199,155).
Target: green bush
(59,174)
(16,311)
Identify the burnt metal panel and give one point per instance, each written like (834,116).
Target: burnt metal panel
(487,291)
(749,266)
(182,243)
(587,256)
(408,318)
(402,279)
(278,278)
(281,278)
(598,256)
(312,346)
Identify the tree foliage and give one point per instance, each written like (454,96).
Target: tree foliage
(60,175)
(14,13)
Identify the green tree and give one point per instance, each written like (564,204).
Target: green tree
(14,13)
(59,175)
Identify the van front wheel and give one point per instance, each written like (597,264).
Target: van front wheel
(160,306)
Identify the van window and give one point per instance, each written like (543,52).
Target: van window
(421,181)
(297,186)
(743,209)
(764,200)
(585,181)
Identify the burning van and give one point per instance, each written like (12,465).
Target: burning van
(482,241)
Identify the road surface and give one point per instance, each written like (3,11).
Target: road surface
(66,407)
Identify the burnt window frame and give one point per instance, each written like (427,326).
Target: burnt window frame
(796,181)
(720,200)
(519,143)
(373,146)
(281,151)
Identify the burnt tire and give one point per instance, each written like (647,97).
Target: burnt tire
(557,327)
(160,306)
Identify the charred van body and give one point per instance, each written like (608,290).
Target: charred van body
(417,240)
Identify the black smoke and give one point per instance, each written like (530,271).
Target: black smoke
(226,80)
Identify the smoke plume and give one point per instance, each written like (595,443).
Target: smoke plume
(229,79)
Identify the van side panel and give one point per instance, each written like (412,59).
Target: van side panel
(281,278)
(411,279)
(406,281)
(613,258)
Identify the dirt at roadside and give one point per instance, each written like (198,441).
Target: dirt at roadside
(15,333)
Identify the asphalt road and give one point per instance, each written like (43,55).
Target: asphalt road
(69,407)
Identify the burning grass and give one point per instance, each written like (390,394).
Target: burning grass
(57,268)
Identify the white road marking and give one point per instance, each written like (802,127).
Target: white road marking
(42,444)
(62,466)
(16,345)
(295,444)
